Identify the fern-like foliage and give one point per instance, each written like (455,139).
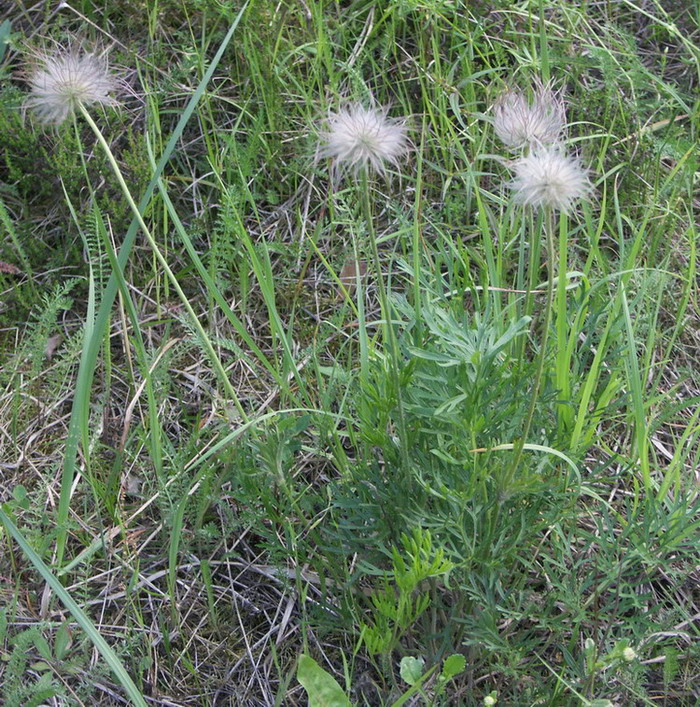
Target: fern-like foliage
(19,688)
(40,328)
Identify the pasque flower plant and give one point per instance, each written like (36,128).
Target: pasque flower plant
(66,84)
(365,140)
(549,180)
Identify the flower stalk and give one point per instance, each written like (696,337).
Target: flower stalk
(547,319)
(389,334)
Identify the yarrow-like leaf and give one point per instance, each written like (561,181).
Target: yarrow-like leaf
(549,178)
(357,138)
(519,122)
(66,79)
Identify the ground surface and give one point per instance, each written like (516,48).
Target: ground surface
(235,460)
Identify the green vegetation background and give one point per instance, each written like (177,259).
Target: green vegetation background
(325,498)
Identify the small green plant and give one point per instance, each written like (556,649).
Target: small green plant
(323,689)
(27,675)
(412,671)
(402,599)
(597,663)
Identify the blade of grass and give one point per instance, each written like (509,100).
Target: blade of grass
(210,284)
(532,448)
(635,383)
(163,262)
(565,412)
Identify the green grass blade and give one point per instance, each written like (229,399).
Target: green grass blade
(634,377)
(534,448)
(211,285)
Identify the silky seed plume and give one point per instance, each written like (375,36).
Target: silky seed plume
(357,138)
(547,177)
(65,80)
(521,122)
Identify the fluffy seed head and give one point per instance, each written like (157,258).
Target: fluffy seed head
(357,137)
(520,122)
(548,178)
(63,81)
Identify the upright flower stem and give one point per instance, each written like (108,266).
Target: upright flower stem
(551,254)
(533,225)
(389,334)
(166,268)
(565,414)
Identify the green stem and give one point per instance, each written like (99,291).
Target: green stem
(531,280)
(388,329)
(166,268)
(549,233)
(565,412)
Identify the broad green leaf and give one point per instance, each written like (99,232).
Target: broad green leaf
(62,642)
(5,29)
(412,669)
(454,665)
(321,687)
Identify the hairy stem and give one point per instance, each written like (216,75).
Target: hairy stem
(551,253)
(389,333)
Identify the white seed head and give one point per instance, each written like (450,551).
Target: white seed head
(357,137)
(629,654)
(520,122)
(63,81)
(548,178)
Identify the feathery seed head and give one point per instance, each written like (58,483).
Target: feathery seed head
(63,81)
(519,122)
(548,178)
(357,137)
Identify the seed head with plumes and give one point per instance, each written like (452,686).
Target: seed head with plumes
(62,81)
(357,137)
(520,122)
(546,177)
